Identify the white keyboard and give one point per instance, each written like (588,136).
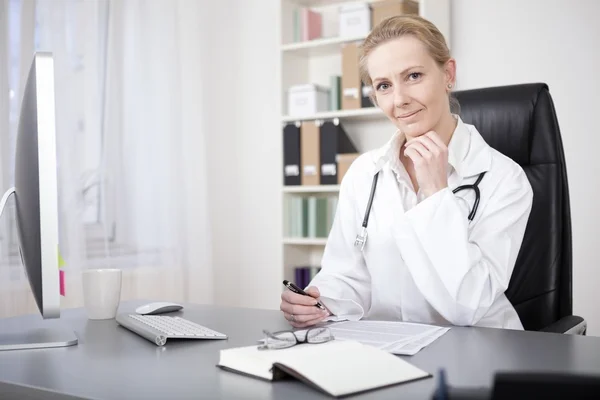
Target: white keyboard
(159,328)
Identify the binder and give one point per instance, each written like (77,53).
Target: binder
(311,24)
(333,141)
(335,100)
(309,153)
(351,84)
(296,214)
(365,101)
(291,154)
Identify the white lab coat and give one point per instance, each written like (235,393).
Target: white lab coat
(424,261)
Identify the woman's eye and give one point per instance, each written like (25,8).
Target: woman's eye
(414,76)
(383,86)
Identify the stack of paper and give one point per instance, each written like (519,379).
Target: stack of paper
(403,338)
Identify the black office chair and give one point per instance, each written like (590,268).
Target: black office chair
(520,122)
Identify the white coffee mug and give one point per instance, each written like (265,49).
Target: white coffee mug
(101,292)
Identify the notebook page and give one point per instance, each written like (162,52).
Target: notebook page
(256,362)
(347,367)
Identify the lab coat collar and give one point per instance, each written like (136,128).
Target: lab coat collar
(468,153)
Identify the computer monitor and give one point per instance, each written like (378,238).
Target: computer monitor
(36,199)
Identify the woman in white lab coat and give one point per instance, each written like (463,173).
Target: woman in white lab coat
(431,255)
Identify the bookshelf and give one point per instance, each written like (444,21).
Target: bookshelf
(311,189)
(316,61)
(318,47)
(305,241)
(347,115)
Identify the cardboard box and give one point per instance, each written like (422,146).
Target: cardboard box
(307,100)
(355,20)
(344,161)
(387,8)
(351,84)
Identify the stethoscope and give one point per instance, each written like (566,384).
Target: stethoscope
(361,238)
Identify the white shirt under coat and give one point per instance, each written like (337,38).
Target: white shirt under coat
(424,261)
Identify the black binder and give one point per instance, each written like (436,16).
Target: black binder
(333,141)
(365,100)
(291,154)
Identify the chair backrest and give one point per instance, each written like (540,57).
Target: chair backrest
(520,122)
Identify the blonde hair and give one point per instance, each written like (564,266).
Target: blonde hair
(401,25)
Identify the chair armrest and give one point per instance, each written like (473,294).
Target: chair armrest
(571,324)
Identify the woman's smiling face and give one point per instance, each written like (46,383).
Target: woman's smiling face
(410,87)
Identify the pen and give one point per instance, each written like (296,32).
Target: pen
(296,289)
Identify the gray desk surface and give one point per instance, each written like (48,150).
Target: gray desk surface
(113,363)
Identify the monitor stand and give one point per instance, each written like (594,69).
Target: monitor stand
(35,337)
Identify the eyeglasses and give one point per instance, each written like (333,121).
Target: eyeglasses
(285,339)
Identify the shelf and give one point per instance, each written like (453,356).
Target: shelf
(319,47)
(311,189)
(327,3)
(305,241)
(358,114)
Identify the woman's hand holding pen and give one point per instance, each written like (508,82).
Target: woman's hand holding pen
(429,156)
(300,310)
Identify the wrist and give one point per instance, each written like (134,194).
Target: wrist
(432,191)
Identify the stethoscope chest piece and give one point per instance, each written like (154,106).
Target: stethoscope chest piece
(361,239)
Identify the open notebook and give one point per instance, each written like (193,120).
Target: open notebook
(338,368)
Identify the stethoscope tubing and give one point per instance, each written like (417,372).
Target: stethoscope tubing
(474,186)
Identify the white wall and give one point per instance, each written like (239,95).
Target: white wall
(556,42)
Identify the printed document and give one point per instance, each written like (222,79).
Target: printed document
(404,338)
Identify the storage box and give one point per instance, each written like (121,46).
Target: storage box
(344,161)
(355,20)
(307,100)
(387,8)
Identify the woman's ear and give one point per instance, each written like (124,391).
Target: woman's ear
(450,73)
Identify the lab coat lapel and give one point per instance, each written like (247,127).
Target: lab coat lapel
(468,154)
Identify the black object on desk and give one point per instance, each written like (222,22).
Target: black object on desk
(524,385)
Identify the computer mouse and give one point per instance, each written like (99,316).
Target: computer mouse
(158,307)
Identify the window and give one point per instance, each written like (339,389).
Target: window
(76,32)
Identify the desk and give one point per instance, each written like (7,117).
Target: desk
(111,362)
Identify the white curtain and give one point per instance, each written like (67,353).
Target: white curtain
(131,143)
